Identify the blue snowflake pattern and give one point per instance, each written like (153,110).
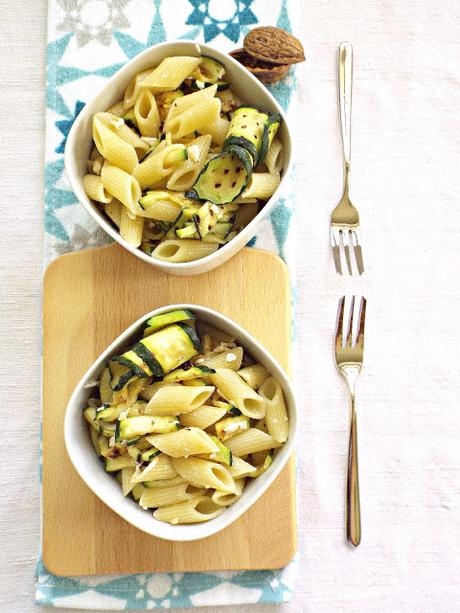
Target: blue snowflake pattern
(202,17)
(64,126)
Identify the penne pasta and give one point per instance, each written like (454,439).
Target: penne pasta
(203,473)
(227,359)
(262,185)
(254,375)
(158,165)
(201,508)
(160,467)
(203,417)
(186,102)
(238,393)
(122,186)
(113,148)
(134,88)
(164,496)
(276,418)
(251,441)
(131,229)
(274,157)
(94,188)
(187,171)
(184,443)
(225,499)
(146,114)
(218,129)
(240,468)
(177,399)
(196,118)
(182,250)
(170,73)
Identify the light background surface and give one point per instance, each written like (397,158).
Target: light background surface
(406,156)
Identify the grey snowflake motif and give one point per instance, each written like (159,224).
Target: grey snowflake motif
(82,239)
(93,19)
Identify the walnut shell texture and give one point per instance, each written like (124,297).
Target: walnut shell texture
(274,45)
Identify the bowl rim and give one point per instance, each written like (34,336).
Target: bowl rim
(153,527)
(77,185)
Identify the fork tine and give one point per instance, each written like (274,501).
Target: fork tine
(358,251)
(349,336)
(362,321)
(346,246)
(336,252)
(339,327)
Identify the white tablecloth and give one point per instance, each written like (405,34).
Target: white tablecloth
(406,156)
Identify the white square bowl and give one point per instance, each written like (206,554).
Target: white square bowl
(79,145)
(105,486)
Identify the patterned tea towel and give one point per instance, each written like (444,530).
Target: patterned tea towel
(88,41)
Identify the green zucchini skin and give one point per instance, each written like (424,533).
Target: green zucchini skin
(225,176)
(194,338)
(165,319)
(271,128)
(247,129)
(138,372)
(148,357)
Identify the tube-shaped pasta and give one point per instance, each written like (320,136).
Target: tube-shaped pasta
(203,473)
(146,114)
(122,185)
(197,117)
(134,88)
(250,441)
(184,443)
(92,184)
(159,468)
(185,174)
(131,229)
(238,393)
(160,497)
(203,417)
(170,73)
(225,499)
(240,468)
(117,109)
(254,375)
(186,102)
(113,148)
(183,250)
(276,417)
(163,210)
(262,185)
(126,483)
(274,158)
(118,126)
(201,508)
(177,399)
(228,359)
(218,129)
(158,165)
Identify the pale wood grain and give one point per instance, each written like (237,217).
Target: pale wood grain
(91,297)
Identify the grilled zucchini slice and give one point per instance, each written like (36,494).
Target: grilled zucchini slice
(165,319)
(224,177)
(172,346)
(271,128)
(182,374)
(134,427)
(247,130)
(208,72)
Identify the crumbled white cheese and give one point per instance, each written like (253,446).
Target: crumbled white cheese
(231,357)
(123,415)
(175,520)
(193,152)
(216,210)
(118,122)
(231,427)
(200,84)
(200,361)
(112,441)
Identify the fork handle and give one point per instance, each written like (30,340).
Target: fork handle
(345,84)
(353,506)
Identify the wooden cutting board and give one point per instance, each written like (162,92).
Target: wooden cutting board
(89,298)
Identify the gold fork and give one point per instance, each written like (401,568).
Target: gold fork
(349,360)
(345,217)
